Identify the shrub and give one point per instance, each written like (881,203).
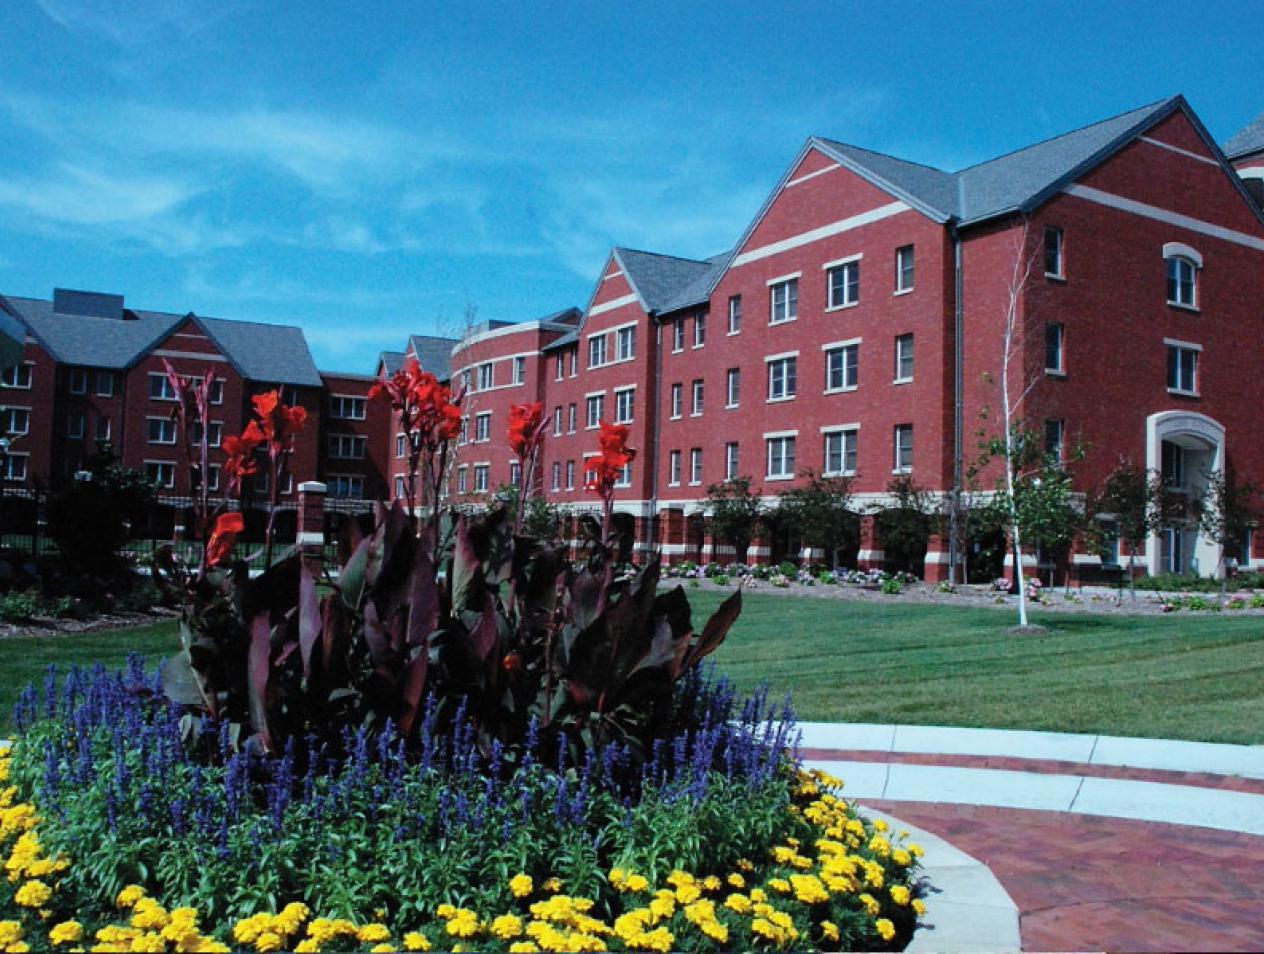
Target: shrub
(892,586)
(91,520)
(786,568)
(17,607)
(721,579)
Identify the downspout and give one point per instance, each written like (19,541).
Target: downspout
(651,503)
(958,394)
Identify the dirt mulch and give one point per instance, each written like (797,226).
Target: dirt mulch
(49,626)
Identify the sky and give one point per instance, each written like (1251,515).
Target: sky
(369,170)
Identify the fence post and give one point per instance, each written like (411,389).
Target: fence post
(310,533)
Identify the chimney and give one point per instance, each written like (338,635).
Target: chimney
(86,304)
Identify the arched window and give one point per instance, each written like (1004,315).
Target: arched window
(1253,179)
(1183,265)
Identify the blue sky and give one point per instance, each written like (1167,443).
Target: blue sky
(367,170)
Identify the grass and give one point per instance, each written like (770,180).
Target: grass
(23,659)
(1179,676)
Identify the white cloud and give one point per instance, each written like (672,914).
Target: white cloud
(135,23)
(81,196)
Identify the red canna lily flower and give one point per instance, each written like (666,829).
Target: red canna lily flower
(526,427)
(602,472)
(220,547)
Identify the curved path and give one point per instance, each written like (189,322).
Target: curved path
(1100,842)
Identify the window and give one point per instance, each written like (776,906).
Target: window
(464,436)
(673,468)
(1181,281)
(557,475)
(781,457)
(570,419)
(903,448)
(699,393)
(570,475)
(214,434)
(76,424)
(844,284)
(699,330)
(1053,253)
(486,375)
(903,358)
(559,366)
(105,384)
(346,407)
(1182,368)
(1172,464)
(103,428)
(1053,440)
(840,452)
(346,485)
(161,473)
(557,420)
(78,381)
(481,478)
(400,487)
(596,351)
(1055,336)
(596,409)
(483,427)
(678,334)
(401,446)
(733,391)
(677,399)
(17,420)
(623,401)
(731,460)
(784,301)
(625,344)
(160,388)
(695,466)
(1109,542)
(735,314)
(347,446)
(519,370)
(515,473)
(15,467)
(781,378)
(212,482)
(904,269)
(18,376)
(161,430)
(625,476)
(462,480)
(841,367)
(575,361)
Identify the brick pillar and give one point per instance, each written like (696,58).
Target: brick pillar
(671,526)
(870,555)
(935,567)
(310,535)
(760,549)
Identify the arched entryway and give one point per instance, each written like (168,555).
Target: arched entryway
(1184,447)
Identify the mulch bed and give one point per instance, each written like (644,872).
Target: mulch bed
(49,626)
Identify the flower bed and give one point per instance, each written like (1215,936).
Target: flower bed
(122,835)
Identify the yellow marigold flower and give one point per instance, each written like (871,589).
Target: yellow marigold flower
(292,916)
(829,930)
(373,933)
(901,857)
(552,885)
(617,877)
(880,825)
(782,854)
(688,893)
(715,931)
(758,895)
(507,926)
(637,883)
(762,927)
(809,889)
(919,907)
(880,846)
(744,864)
(309,945)
(870,903)
(382,948)
(33,894)
(886,930)
(268,941)
(678,878)
(149,943)
(246,931)
(659,939)
(524,947)
(68,932)
(780,885)
(663,907)
(129,896)
(915,849)
(736,880)
(710,883)
(416,941)
(738,902)
(521,885)
(631,923)
(900,894)
(464,923)
(149,915)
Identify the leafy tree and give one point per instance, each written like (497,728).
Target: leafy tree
(91,518)
(1137,501)
(540,518)
(904,526)
(736,510)
(821,514)
(1225,512)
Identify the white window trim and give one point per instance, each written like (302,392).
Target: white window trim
(1187,346)
(4,412)
(897,379)
(1175,343)
(166,463)
(170,443)
(826,431)
(783,278)
(769,435)
(1060,274)
(1181,250)
(728,389)
(768,358)
(842,261)
(898,271)
(833,346)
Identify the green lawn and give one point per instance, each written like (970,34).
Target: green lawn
(23,659)
(1178,676)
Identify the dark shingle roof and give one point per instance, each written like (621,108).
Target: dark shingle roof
(658,278)
(933,189)
(698,290)
(567,339)
(1247,140)
(391,361)
(434,354)
(276,354)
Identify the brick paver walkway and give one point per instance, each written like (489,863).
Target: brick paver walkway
(1090,883)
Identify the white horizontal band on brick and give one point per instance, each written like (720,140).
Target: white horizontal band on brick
(310,536)
(823,232)
(812,175)
(613,304)
(192,355)
(612,275)
(843,261)
(1163,215)
(871,555)
(613,328)
(935,556)
(1179,150)
(784,278)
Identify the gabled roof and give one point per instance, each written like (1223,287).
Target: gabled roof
(391,361)
(275,354)
(932,191)
(434,354)
(570,338)
(657,278)
(1247,140)
(698,290)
